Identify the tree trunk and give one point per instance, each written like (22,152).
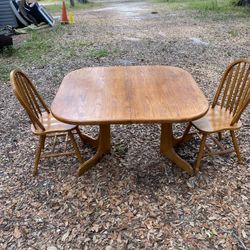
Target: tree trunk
(72,3)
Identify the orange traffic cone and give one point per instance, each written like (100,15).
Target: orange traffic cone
(64,17)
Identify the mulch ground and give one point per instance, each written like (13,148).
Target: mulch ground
(134,198)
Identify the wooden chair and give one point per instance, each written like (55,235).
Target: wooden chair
(231,99)
(43,124)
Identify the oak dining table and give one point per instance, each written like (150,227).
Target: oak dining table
(130,94)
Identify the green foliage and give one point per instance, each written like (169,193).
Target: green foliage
(49,46)
(233,33)
(208,5)
(7,51)
(35,47)
(4,72)
(35,50)
(98,53)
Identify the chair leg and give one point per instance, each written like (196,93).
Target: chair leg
(186,134)
(236,147)
(200,154)
(78,154)
(185,137)
(187,129)
(219,136)
(38,153)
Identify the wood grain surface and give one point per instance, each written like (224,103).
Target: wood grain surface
(133,94)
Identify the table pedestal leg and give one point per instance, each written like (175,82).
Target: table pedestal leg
(104,147)
(167,148)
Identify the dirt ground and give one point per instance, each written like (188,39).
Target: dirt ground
(134,198)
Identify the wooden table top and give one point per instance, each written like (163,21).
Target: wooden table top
(133,94)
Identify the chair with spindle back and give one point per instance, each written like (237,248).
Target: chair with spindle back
(231,99)
(43,124)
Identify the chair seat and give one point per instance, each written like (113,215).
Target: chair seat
(216,119)
(51,125)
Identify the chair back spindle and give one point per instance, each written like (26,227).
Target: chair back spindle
(233,93)
(29,98)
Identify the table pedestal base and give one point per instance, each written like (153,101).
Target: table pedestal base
(103,146)
(168,141)
(87,139)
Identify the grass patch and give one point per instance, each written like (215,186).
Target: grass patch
(209,5)
(34,50)
(99,53)
(5,72)
(42,47)
(233,33)
(94,53)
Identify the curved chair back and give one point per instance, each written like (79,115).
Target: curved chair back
(28,96)
(233,93)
